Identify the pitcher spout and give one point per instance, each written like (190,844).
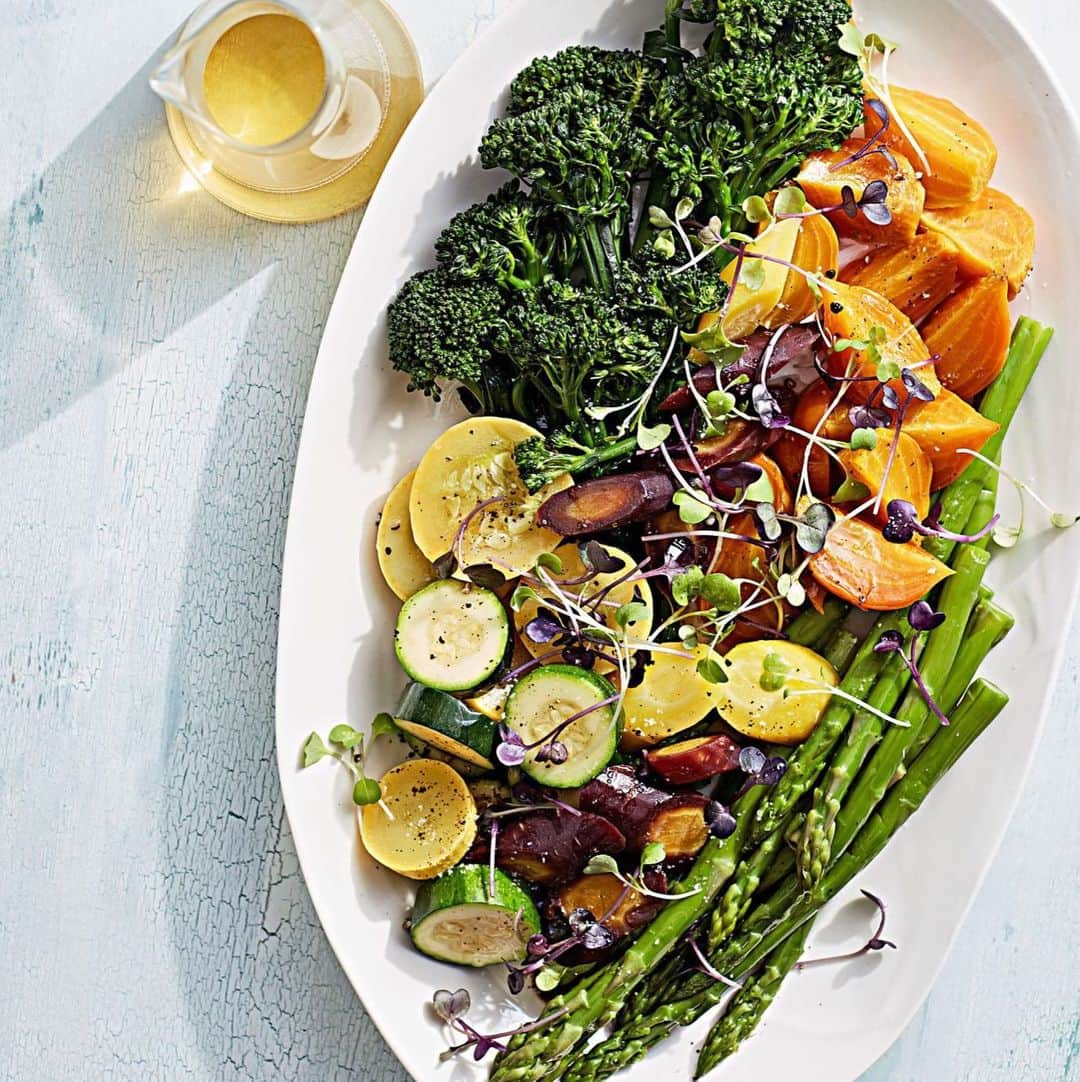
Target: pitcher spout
(167,79)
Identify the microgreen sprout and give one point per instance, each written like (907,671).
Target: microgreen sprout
(874,943)
(451,1008)
(346,745)
(1007,536)
(719,820)
(706,967)
(759,768)
(774,679)
(653,854)
(871,144)
(866,48)
(922,618)
(903,523)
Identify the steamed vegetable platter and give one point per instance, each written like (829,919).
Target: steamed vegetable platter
(693,604)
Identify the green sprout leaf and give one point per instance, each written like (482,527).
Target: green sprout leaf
(366,791)
(664,243)
(550,562)
(711,671)
(315,749)
(790,588)
(688,636)
(761,490)
(547,980)
(687,585)
(653,853)
(851,39)
(520,595)
(659,219)
(691,509)
(602,864)
(774,670)
(863,439)
(1062,521)
(721,591)
(756,209)
(648,439)
(753,274)
(630,613)
(346,736)
(851,491)
(719,403)
(683,209)
(790,200)
(383,725)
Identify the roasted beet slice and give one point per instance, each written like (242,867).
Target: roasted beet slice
(647,814)
(606,503)
(741,440)
(691,761)
(793,342)
(553,846)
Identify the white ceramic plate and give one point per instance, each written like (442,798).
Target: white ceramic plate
(362,432)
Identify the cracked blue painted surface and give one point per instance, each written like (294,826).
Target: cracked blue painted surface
(157,351)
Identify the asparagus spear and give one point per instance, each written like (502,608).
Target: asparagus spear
(811,627)
(958,597)
(744,1012)
(982,704)
(999,403)
(773,925)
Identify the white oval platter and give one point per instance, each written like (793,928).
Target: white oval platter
(362,431)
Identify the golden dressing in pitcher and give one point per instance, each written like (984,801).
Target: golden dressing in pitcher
(264,79)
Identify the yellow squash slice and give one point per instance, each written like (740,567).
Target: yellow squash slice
(424,823)
(402,564)
(573,568)
(469,463)
(672,697)
(784,714)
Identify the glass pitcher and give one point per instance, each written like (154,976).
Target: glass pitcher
(278,96)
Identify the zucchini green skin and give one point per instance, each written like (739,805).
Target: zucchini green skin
(592,741)
(452,635)
(441,721)
(456,918)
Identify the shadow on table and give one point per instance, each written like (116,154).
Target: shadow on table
(174,252)
(264,995)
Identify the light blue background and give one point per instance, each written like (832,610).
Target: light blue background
(156,352)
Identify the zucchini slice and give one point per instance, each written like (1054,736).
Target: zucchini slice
(672,697)
(457,919)
(451,635)
(548,696)
(442,722)
(404,567)
(786,715)
(573,568)
(424,823)
(469,463)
